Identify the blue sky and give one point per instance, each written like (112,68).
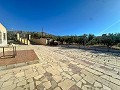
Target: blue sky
(62,17)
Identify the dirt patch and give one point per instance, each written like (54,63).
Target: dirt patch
(22,56)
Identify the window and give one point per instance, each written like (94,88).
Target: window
(4,36)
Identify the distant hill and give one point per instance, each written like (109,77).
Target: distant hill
(12,34)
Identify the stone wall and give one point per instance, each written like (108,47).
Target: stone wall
(41,41)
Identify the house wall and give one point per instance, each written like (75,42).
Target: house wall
(2,40)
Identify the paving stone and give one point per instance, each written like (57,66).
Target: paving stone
(114,86)
(37,82)
(90,70)
(6,77)
(19,88)
(60,69)
(16,81)
(47,84)
(83,75)
(3,73)
(79,84)
(65,68)
(32,86)
(55,72)
(74,87)
(87,87)
(115,76)
(102,80)
(21,83)
(98,73)
(71,73)
(49,69)
(47,74)
(66,75)
(63,77)
(77,77)
(38,77)
(106,77)
(17,70)
(30,80)
(81,66)
(57,88)
(98,88)
(97,84)
(106,88)
(116,81)
(75,69)
(21,74)
(7,83)
(53,84)
(21,78)
(30,73)
(83,81)
(83,71)
(66,84)
(40,87)
(73,62)
(57,78)
(44,80)
(11,87)
(1,84)
(26,87)
(12,78)
(89,79)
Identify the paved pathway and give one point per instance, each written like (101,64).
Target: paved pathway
(64,69)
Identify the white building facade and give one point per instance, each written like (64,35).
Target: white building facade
(3,35)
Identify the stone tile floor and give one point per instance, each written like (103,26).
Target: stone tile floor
(64,69)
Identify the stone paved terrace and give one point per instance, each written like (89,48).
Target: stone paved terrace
(64,69)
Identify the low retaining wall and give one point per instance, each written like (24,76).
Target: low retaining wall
(24,41)
(41,41)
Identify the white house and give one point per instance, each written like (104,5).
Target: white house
(3,35)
